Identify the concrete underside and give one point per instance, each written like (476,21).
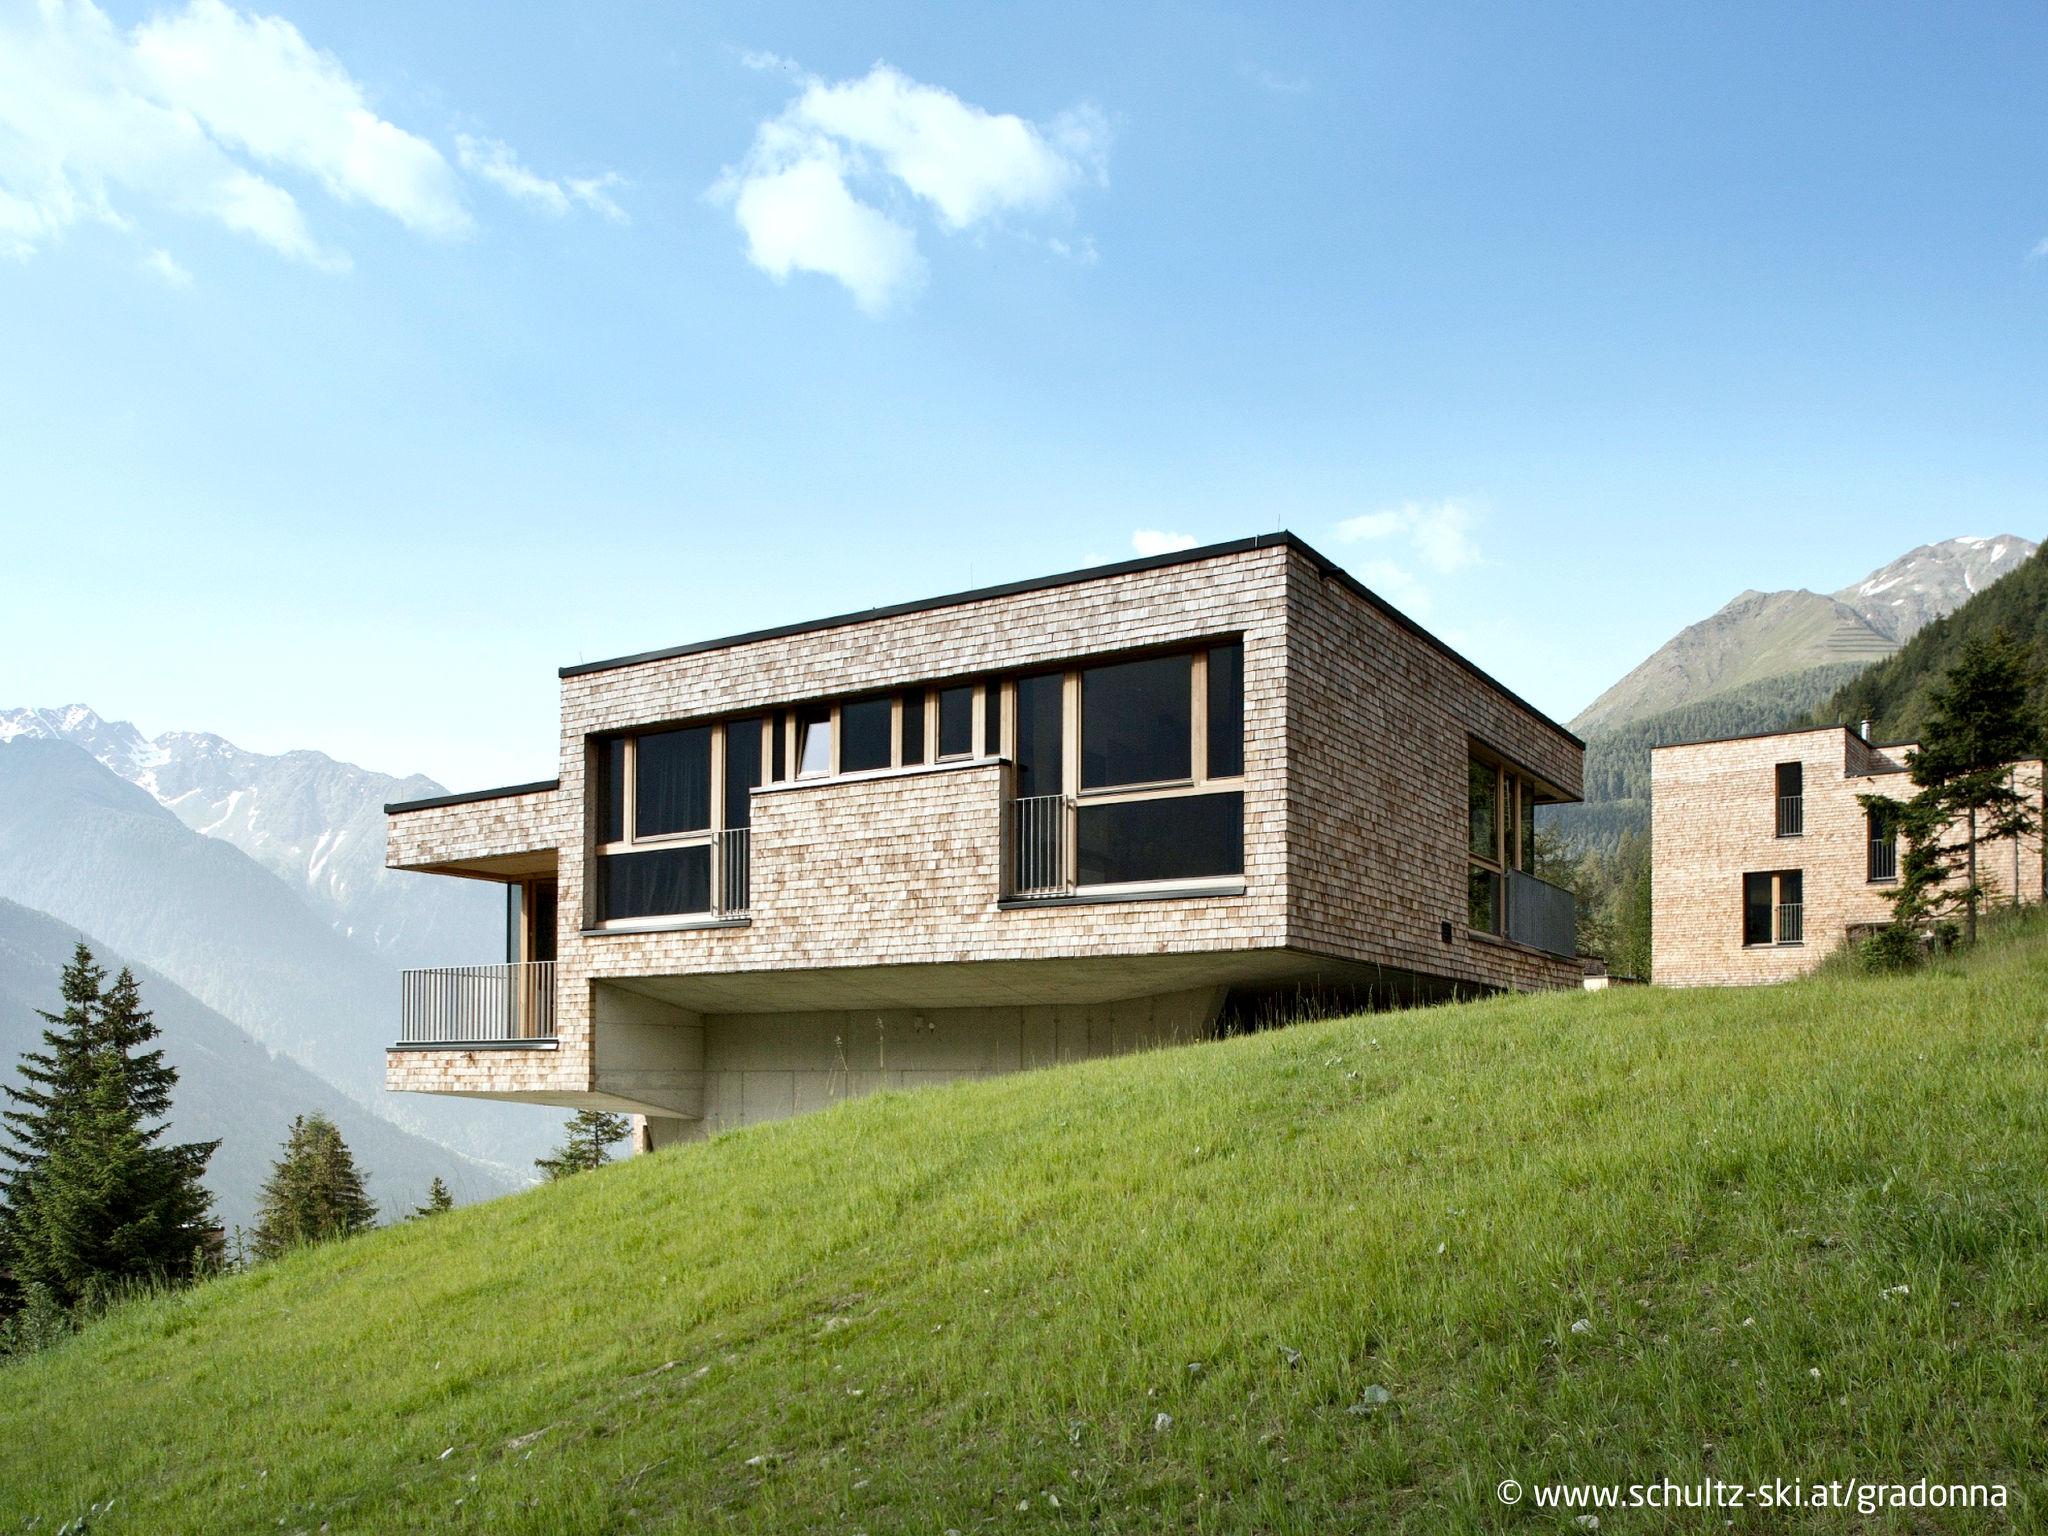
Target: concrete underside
(693,1055)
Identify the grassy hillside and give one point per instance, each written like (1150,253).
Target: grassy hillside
(1795,1233)
(1893,695)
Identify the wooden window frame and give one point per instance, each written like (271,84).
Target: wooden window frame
(711,836)
(1512,788)
(1198,783)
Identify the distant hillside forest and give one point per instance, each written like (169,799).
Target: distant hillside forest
(1617,776)
(1893,694)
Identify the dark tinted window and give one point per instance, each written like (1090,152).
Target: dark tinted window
(992,719)
(1134,722)
(1183,837)
(778,747)
(956,722)
(1226,711)
(913,726)
(1792,887)
(1483,813)
(611,790)
(864,727)
(742,770)
(1756,909)
(672,782)
(655,884)
(1040,730)
(1791,778)
(1528,797)
(1482,898)
(542,945)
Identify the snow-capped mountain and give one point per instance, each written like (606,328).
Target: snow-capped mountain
(1931,581)
(316,823)
(1760,636)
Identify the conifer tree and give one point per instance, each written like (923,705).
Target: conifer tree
(438,1200)
(94,1201)
(1982,719)
(590,1135)
(314,1192)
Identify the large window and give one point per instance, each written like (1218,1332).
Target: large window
(1136,722)
(1500,835)
(1774,907)
(1791,779)
(1041,734)
(1881,832)
(664,802)
(1159,770)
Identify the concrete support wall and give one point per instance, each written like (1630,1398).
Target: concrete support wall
(761,1067)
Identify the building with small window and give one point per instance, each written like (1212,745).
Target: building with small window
(1034,823)
(1764,857)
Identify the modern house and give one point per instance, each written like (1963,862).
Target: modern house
(1763,857)
(1027,824)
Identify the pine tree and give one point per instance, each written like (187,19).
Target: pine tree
(94,1203)
(438,1200)
(591,1133)
(1982,718)
(314,1192)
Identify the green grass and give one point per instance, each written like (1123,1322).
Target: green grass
(930,1311)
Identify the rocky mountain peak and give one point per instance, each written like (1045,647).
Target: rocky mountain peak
(1935,579)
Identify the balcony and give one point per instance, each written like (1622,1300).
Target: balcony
(1791,922)
(1884,860)
(1539,914)
(1791,815)
(1038,845)
(469,1005)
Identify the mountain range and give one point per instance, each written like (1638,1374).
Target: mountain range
(1758,636)
(230,1088)
(1765,661)
(255,884)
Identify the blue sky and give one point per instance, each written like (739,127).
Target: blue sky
(360,364)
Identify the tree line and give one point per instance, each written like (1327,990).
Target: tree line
(97,1202)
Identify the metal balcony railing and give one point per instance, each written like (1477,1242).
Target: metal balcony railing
(1038,845)
(1539,914)
(735,873)
(1791,815)
(1791,922)
(477,1004)
(1884,858)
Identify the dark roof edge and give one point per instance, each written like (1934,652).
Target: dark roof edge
(1283,540)
(950,600)
(470,797)
(1335,572)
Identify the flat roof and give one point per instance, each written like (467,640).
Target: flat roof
(1788,730)
(471,796)
(1326,566)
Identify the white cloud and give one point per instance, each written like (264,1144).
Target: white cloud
(255,84)
(1279,84)
(1150,541)
(2039,252)
(166,266)
(205,111)
(1439,535)
(497,163)
(1396,583)
(806,195)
